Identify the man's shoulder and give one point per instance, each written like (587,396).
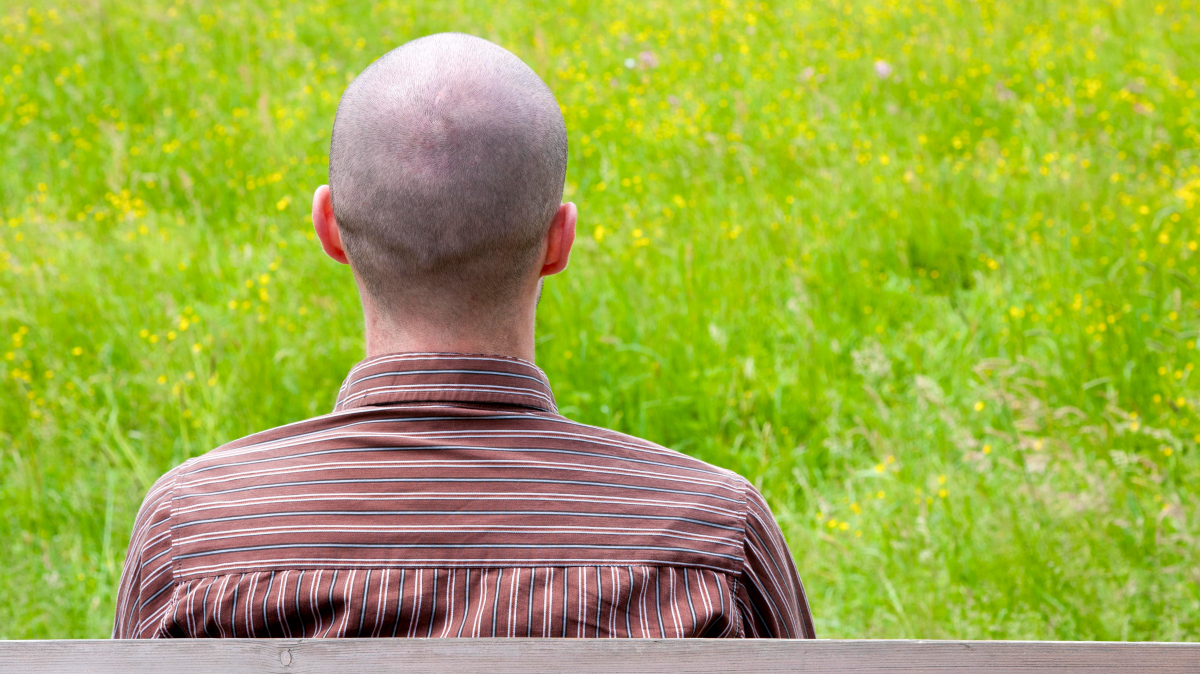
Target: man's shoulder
(635,446)
(296,433)
(639,451)
(156,504)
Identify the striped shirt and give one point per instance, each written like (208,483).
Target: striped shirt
(446,497)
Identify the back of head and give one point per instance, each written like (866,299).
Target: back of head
(447,165)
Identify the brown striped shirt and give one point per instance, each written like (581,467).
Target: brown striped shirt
(446,497)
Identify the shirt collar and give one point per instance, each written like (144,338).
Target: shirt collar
(445,377)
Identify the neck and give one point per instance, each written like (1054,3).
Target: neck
(509,334)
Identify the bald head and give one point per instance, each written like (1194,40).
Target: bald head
(446,168)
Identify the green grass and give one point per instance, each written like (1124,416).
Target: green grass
(923,271)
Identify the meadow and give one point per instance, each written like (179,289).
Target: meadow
(923,270)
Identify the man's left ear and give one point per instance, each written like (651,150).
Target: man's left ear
(559,239)
(326,225)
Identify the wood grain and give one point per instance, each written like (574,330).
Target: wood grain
(544,655)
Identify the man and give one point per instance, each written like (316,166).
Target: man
(445,496)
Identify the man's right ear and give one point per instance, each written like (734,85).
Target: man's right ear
(326,225)
(559,239)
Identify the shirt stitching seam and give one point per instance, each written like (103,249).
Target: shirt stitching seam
(734,585)
(745,512)
(176,563)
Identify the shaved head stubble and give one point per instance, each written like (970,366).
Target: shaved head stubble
(446,166)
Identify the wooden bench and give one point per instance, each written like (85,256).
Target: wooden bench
(459,656)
